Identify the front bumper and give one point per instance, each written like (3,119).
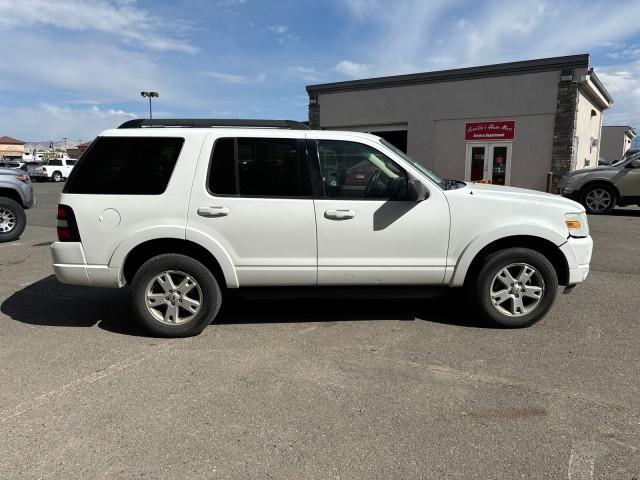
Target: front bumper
(70,266)
(578,253)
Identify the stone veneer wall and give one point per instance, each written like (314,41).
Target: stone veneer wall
(314,112)
(564,130)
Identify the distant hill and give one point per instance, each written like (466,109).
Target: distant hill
(44,145)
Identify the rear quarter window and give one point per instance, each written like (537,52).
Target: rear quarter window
(126,166)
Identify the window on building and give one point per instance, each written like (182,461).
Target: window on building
(264,167)
(397,138)
(355,170)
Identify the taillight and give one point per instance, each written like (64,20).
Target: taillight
(67,226)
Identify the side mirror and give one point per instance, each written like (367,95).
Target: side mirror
(416,191)
(634,164)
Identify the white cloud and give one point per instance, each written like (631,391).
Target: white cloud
(351,69)
(121,20)
(309,74)
(281,32)
(55,122)
(237,79)
(623,83)
(279,29)
(495,31)
(108,72)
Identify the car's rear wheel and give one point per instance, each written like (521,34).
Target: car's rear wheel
(56,177)
(514,287)
(12,220)
(598,199)
(175,296)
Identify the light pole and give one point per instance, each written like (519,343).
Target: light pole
(150,95)
(65,142)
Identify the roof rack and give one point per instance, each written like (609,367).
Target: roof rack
(208,123)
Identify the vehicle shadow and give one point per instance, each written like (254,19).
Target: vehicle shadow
(48,302)
(625,212)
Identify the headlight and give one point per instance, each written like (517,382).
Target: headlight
(577,224)
(23,178)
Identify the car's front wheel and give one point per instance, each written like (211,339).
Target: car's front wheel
(598,199)
(12,220)
(175,296)
(514,287)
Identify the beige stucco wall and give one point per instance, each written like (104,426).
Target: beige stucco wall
(530,150)
(435,114)
(587,128)
(11,150)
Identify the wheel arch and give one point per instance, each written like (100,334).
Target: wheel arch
(11,194)
(602,182)
(151,248)
(542,245)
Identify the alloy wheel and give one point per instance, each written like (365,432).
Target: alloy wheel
(598,199)
(173,297)
(517,289)
(7,220)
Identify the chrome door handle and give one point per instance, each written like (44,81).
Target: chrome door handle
(339,214)
(213,211)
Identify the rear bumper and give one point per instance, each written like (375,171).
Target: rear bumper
(70,266)
(578,252)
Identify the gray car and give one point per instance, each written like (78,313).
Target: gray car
(16,194)
(602,188)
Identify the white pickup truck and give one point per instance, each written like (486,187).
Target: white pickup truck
(56,170)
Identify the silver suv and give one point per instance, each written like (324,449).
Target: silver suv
(602,188)
(16,194)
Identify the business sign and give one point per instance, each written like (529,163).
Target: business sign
(490,130)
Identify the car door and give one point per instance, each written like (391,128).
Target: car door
(628,179)
(368,233)
(252,196)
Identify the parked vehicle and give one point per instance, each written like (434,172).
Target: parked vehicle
(186,215)
(56,170)
(16,194)
(602,188)
(13,164)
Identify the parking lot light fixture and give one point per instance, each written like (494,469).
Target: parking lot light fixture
(150,95)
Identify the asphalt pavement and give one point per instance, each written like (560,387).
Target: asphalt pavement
(322,389)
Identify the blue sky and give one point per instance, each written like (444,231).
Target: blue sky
(71,68)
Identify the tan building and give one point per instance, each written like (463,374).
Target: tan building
(10,148)
(616,140)
(509,124)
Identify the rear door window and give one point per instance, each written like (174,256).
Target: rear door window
(126,166)
(259,167)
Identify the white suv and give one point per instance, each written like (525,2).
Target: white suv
(186,210)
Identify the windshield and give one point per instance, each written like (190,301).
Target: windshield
(628,158)
(425,171)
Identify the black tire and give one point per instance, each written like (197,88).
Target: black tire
(607,192)
(210,296)
(481,286)
(13,220)
(56,177)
